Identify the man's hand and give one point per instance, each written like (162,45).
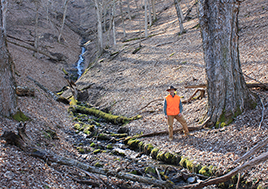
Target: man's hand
(166,117)
(179,114)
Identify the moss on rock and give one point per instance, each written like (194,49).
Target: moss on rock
(133,144)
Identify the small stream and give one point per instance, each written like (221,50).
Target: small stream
(80,63)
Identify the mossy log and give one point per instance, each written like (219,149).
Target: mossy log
(24,143)
(115,119)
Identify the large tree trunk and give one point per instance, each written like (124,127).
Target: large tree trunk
(7,81)
(228,95)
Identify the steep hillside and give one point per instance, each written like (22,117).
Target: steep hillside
(125,83)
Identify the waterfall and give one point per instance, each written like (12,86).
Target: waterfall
(80,62)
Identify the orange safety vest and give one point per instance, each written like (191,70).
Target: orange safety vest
(173,105)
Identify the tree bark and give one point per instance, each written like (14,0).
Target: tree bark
(100,38)
(122,17)
(154,11)
(7,82)
(63,19)
(179,14)
(228,95)
(146,19)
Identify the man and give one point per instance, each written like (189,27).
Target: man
(173,109)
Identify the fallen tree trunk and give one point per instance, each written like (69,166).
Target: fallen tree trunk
(199,127)
(35,50)
(23,142)
(249,85)
(256,148)
(55,97)
(263,157)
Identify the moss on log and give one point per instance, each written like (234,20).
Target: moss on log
(115,119)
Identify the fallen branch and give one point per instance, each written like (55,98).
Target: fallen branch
(33,49)
(262,113)
(201,95)
(55,97)
(23,142)
(263,157)
(199,127)
(255,149)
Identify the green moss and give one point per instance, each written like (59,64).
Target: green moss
(148,148)
(77,126)
(104,136)
(92,144)
(64,71)
(134,172)
(127,139)
(100,114)
(197,168)
(98,164)
(150,170)
(73,101)
(81,150)
(140,146)
(171,54)
(204,171)
(183,162)
(20,116)
(119,135)
(96,151)
(169,158)
(133,143)
(160,156)
(189,165)
(109,146)
(154,153)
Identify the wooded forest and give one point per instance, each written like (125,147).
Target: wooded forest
(83,85)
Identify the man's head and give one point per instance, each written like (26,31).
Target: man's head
(171,90)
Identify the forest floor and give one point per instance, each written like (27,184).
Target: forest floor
(126,84)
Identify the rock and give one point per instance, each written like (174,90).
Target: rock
(191,180)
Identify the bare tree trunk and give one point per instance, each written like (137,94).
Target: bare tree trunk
(228,95)
(150,14)
(122,17)
(100,39)
(146,21)
(179,14)
(113,23)
(63,18)
(36,27)
(128,10)
(4,12)
(154,11)
(7,82)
